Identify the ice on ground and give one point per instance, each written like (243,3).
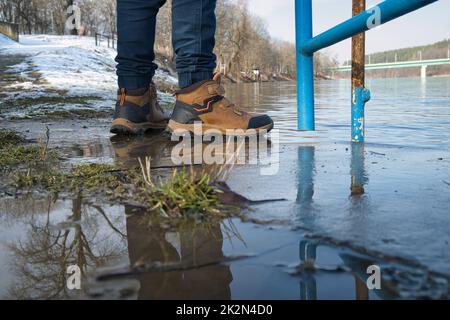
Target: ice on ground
(70,64)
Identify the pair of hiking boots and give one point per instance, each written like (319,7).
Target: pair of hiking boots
(138,111)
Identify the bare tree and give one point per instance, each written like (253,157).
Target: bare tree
(243,42)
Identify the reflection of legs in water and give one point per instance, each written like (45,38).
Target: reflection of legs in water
(308,289)
(188,247)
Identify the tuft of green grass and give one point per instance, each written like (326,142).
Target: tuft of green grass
(47,100)
(186,194)
(83,113)
(17,155)
(95,175)
(29,156)
(9,137)
(51,181)
(12,157)
(85,177)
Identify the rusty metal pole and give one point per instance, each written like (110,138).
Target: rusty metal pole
(358,49)
(362,292)
(360,95)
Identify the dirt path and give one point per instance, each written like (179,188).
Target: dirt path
(7,76)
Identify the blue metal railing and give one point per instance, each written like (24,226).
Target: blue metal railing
(307,45)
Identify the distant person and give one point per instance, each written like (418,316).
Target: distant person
(200,98)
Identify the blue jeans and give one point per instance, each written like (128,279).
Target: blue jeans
(193,29)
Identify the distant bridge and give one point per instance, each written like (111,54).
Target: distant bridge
(423,64)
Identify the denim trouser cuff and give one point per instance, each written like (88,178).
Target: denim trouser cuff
(133,83)
(185,79)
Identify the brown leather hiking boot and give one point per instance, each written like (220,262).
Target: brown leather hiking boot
(204,101)
(138,111)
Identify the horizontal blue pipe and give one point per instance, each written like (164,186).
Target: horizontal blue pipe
(388,10)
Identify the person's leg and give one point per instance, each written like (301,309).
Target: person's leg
(136,24)
(137,109)
(193,31)
(201,98)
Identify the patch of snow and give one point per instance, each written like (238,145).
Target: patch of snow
(5,41)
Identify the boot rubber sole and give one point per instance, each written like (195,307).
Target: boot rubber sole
(122,126)
(173,126)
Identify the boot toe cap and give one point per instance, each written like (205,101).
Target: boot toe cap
(260,121)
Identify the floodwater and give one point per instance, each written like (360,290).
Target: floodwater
(346,207)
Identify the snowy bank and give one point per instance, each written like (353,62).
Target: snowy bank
(69,64)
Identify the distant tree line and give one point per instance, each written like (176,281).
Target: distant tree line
(243,43)
(438,50)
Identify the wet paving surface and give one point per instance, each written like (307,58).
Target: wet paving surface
(345,207)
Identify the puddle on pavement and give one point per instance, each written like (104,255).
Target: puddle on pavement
(123,257)
(346,207)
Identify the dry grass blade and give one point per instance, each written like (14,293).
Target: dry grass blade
(146,171)
(225,169)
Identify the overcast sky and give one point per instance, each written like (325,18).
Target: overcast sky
(425,26)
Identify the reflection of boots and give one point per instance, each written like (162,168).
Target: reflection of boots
(188,247)
(138,111)
(128,148)
(204,101)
